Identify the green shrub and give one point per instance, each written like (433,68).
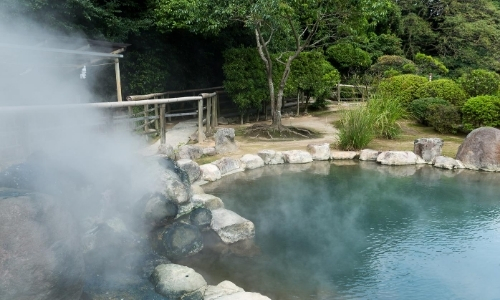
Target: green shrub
(481,111)
(402,87)
(356,129)
(419,108)
(348,55)
(444,118)
(385,111)
(429,65)
(387,62)
(446,89)
(480,82)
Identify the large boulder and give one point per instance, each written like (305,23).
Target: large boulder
(271,157)
(297,157)
(252,161)
(319,151)
(201,217)
(481,150)
(244,296)
(178,282)
(173,181)
(341,155)
(399,158)
(428,148)
(222,289)
(40,253)
(191,168)
(227,165)
(210,172)
(230,226)
(189,152)
(449,163)
(368,155)
(155,209)
(208,201)
(224,140)
(178,240)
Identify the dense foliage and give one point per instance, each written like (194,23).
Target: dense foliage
(481,111)
(444,118)
(480,82)
(446,89)
(419,108)
(402,87)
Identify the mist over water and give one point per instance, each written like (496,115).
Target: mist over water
(366,232)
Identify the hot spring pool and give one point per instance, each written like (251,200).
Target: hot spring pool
(364,231)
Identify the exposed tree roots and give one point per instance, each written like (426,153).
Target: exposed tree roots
(280,132)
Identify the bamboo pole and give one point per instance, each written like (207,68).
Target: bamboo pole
(200,120)
(208,129)
(163,127)
(118,81)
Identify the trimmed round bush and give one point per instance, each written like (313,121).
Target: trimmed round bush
(446,89)
(481,111)
(444,118)
(480,82)
(347,55)
(402,87)
(393,62)
(419,108)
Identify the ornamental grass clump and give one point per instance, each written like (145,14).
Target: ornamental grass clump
(356,129)
(385,112)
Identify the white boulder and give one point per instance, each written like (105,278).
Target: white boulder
(297,157)
(222,289)
(319,151)
(449,163)
(271,157)
(227,165)
(178,282)
(208,201)
(399,158)
(252,161)
(210,172)
(368,154)
(230,226)
(343,155)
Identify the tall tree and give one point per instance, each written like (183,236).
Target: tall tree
(284,27)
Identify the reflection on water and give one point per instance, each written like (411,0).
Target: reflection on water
(364,232)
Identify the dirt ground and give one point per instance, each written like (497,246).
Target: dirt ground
(323,122)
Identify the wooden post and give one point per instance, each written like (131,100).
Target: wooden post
(200,120)
(118,81)
(163,127)
(298,103)
(157,125)
(214,111)
(208,129)
(146,125)
(338,93)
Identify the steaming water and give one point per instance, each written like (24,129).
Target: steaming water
(365,232)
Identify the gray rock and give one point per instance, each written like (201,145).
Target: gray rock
(178,282)
(178,240)
(319,151)
(224,140)
(271,157)
(210,172)
(340,155)
(201,217)
(449,163)
(189,152)
(197,189)
(481,150)
(208,201)
(191,168)
(209,151)
(166,150)
(252,161)
(230,226)
(297,157)
(244,296)
(227,165)
(40,252)
(399,158)
(222,289)
(368,154)
(157,209)
(428,148)
(173,181)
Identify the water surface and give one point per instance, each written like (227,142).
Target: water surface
(364,231)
